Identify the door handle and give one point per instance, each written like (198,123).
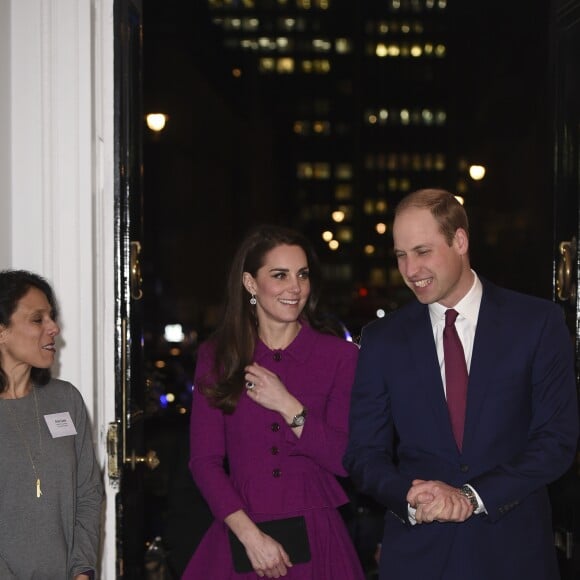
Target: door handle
(150,459)
(565,284)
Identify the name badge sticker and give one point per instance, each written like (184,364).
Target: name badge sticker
(60,424)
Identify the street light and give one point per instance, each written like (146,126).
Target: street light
(156,121)
(476,172)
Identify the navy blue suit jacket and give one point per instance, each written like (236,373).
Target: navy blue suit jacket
(521,433)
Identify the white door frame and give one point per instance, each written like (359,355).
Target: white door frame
(57,187)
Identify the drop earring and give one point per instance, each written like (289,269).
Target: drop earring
(253,300)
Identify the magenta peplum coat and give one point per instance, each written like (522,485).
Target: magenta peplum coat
(273,473)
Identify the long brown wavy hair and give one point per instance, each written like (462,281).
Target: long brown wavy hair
(235,338)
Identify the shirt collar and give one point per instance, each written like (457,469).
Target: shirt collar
(468,306)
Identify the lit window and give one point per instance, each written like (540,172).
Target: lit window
(440,162)
(440,117)
(264,42)
(381,228)
(393,50)
(344,234)
(333,245)
(288,23)
(381,50)
(300,127)
(343,171)
(342,45)
(266,64)
(343,192)
(369,207)
(327,235)
(321,45)
(304,4)
(440,50)
(404,114)
(405,28)
(405,184)
(307,66)
(321,127)
(285,65)
(383,28)
(369,249)
(251,23)
(282,42)
(381,206)
(321,171)
(428,49)
(427,116)
(322,66)
(372,119)
(442,4)
(304,171)
(416,51)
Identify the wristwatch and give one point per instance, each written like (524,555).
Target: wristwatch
(299,419)
(466,491)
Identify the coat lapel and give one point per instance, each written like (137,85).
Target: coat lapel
(426,365)
(486,351)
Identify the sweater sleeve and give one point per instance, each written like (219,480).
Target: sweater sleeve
(89,491)
(208,448)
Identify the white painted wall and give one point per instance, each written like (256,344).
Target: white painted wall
(5,135)
(56,184)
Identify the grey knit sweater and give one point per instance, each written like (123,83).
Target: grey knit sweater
(55,536)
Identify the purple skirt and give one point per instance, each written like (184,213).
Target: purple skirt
(333,555)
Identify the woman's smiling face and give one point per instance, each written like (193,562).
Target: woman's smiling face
(281,285)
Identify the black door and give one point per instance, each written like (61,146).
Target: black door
(128,457)
(566,82)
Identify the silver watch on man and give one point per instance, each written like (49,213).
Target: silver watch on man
(299,419)
(466,491)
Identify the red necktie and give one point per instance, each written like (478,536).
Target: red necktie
(455,376)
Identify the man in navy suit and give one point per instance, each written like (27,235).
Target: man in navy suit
(472,506)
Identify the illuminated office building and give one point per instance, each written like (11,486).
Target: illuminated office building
(362,113)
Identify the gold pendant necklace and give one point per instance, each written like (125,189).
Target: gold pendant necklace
(22,436)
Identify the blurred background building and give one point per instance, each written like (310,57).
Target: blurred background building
(321,115)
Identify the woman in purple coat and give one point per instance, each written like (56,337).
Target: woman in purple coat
(269,419)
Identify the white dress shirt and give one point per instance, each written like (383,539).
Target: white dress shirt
(465,323)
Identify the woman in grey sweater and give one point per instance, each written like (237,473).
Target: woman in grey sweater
(51,498)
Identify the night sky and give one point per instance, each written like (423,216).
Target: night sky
(194,215)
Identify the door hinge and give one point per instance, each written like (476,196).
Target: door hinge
(113,452)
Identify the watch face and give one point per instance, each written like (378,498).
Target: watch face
(299,420)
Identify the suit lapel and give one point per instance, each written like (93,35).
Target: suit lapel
(486,351)
(426,365)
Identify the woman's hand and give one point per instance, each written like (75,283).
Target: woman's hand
(269,392)
(268,557)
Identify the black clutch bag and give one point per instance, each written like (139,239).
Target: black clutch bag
(290,532)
